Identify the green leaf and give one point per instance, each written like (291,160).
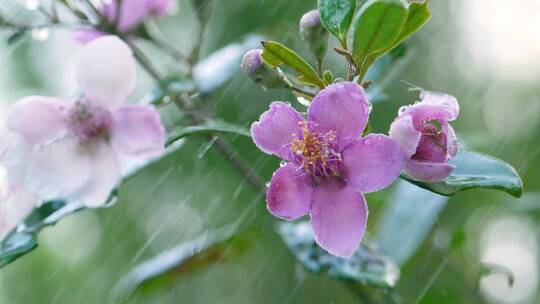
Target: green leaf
(375,30)
(366,266)
(407,219)
(23,239)
(475,170)
(210,126)
(336,16)
(218,246)
(418,15)
(276,54)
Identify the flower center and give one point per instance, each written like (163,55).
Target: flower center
(87,122)
(315,152)
(432,145)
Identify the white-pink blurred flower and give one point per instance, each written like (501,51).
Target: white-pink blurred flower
(15,201)
(75,146)
(132,13)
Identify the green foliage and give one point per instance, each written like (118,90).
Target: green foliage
(23,239)
(217,247)
(336,16)
(276,54)
(366,266)
(476,170)
(381,25)
(211,126)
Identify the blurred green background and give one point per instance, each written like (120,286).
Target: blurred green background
(483,52)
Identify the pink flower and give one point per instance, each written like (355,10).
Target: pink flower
(328,164)
(422,129)
(74,147)
(132,14)
(15,201)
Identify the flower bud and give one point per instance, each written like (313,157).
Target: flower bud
(314,34)
(263,74)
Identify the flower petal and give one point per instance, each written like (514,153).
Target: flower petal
(105,176)
(58,169)
(14,153)
(37,119)
(402,130)
(276,129)
(427,171)
(447,102)
(338,217)
(342,108)
(433,106)
(106,71)
(138,130)
(372,163)
(289,194)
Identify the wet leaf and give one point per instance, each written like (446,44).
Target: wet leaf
(215,247)
(366,266)
(210,127)
(407,220)
(376,29)
(475,170)
(418,15)
(336,16)
(23,239)
(276,54)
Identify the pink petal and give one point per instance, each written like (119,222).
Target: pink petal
(342,108)
(58,169)
(430,149)
(289,194)
(14,153)
(105,176)
(106,71)
(433,106)
(338,217)
(138,130)
(37,118)
(427,171)
(84,36)
(442,100)
(276,128)
(372,163)
(405,134)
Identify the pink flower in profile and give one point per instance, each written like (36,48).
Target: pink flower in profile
(132,14)
(422,129)
(328,164)
(74,147)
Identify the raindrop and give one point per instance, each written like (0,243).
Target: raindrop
(282,163)
(40,34)
(367,141)
(370,107)
(267,184)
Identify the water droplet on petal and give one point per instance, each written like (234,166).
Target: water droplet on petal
(267,184)
(282,163)
(370,107)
